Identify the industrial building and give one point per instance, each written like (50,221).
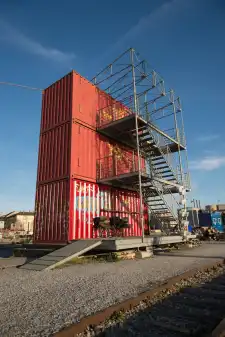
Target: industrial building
(18,221)
(215,207)
(113,146)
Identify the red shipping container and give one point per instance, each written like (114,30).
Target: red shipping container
(65,210)
(115,159)
(109,109)
(57,103)
(52,212)
(91,200)
(84,101)
(83,152)
(54,154)
(67,147)
(70,149)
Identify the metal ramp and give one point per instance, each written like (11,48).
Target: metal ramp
(61,255)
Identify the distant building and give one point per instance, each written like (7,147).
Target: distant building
(192,216)
(2,222)
(20,221)
(218,207)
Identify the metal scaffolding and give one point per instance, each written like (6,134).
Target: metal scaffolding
(143,115)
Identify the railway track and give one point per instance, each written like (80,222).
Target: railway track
(191,304)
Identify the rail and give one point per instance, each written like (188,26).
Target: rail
(160,193)
(189,293)
(116,165)
(164,150)
(177,135)
(111,113)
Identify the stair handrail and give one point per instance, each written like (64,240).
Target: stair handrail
(157,142)
(168,188)
(160,193)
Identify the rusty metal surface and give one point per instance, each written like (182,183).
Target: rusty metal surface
(91,200)
(83,152)
(51,222)
(100,317)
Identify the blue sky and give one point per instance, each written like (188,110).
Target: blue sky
(40,41)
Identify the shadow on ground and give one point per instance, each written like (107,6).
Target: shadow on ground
(193,312)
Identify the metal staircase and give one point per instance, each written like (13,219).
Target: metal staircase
(160,169)
(157,154)
(147,109)
(162,214)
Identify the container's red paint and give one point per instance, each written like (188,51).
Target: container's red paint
(83,152)
(109,110)
(57,103)
(91,200)
(52,212)
(71,151)
(84,101)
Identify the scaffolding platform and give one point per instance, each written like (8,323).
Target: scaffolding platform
(117,244)
(121,131)
(127,179)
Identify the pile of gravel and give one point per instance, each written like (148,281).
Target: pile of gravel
(41,303)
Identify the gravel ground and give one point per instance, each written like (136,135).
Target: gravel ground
(176,308)
(40,303)
(12,262)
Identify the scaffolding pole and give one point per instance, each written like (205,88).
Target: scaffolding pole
(138,148)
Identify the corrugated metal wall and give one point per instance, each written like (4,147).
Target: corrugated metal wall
(69,149)
(52,212)
(85,101)
(57,103)
(91,200)
(109,109)
(83,152)
(54,153)
(55,135)
(115,159)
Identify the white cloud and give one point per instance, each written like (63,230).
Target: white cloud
(208,163)
(11,35)
(208,138)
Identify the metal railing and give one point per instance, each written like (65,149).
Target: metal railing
(164,150)
(176,135)
(113,165)
(111,113)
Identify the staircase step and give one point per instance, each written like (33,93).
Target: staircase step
(167,174)
(162,167)
(158,162)
(145,134)
(145,146)
(165,171)
(150,199)
(165,213)
(158,208)
(162,172)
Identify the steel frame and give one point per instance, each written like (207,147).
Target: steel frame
(141,90)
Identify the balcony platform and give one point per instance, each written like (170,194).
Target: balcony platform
(122,243)
(129,180)
(121,131)
(126,179)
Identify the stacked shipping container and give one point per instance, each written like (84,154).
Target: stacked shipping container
(69,164)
